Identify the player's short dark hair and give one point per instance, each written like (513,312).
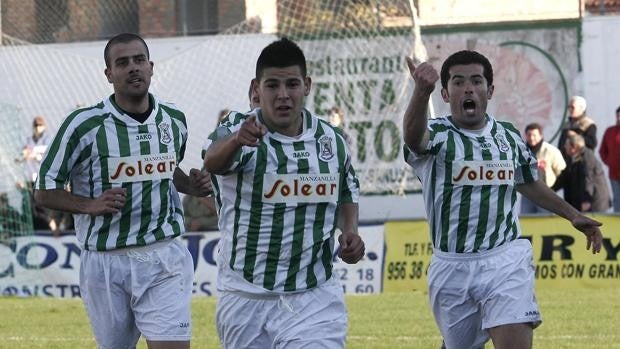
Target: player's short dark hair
(534,126)
(122,39)
(463,58)
(281,53)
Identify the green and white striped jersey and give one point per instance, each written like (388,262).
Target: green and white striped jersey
(99,148)
(278,206)
(468,182)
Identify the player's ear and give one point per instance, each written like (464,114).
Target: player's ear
(255,84)
(445,95)
(108,74)
(307,85)
(490,91)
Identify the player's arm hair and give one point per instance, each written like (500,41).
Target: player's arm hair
(543,196)
(221,154)
(62,200)
(415,122)
(349,211)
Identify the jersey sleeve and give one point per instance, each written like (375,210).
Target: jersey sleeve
(350,186)
(62,155)
(230,124)
(437,136)
(526,164)
(184,137)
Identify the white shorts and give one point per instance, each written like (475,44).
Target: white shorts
(140,290)
(316,318)
(472,293)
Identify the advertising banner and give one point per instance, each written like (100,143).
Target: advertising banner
(47,266)
(560,256)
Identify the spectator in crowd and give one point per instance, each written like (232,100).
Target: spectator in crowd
(611,158)
(337,118)
(550,163)
(31,155)
(35,146)
(200,213)
(579,123)
(583,180)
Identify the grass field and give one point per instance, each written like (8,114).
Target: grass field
(578,319)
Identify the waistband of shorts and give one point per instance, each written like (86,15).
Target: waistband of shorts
(451,256)
(141,249)
(271,295)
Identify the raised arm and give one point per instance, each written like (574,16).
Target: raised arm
(221,154)
(415,121)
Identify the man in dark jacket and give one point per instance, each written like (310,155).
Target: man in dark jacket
(579,123)
(583,180)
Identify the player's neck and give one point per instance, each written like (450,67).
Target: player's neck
(295,129)
(136,105)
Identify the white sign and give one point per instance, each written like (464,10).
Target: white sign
(47,266)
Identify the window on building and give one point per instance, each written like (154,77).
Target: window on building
(198,17)
(51,17)
(118,16)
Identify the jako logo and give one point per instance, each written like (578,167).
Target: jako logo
(141,168)
(483,172)
(300,188)
(301,154)
(143,137)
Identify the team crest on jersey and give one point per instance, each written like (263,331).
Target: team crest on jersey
(502,142)
(326,151)
(164,133)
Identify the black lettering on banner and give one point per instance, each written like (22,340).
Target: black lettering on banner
(604,271)
(42,290)
(556,243)
(545,271)
(364,289)
(416,270)
(397,270)
(402,270)
(365,274)
(572,271)
(342,273)
(612,251)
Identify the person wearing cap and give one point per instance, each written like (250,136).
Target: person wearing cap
(34,148)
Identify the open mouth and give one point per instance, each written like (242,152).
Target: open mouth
(469,105)
(134,80)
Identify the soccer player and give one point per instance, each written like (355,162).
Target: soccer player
(121,157)
(481,279)
(281,174)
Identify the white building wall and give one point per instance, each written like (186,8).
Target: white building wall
(600,53)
